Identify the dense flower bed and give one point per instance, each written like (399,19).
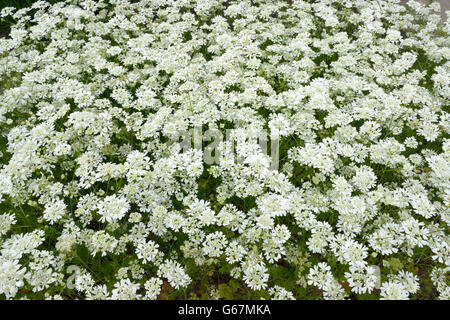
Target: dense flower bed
(98,199)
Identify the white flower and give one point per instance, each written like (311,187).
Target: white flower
(174,273)
(54,211)
(11,277)
(364,179)
(6,221)
(152,288)
(148,135)
(214,244)
(320,276)
(280,293)
(362,279)
(147,251)
(125,290)
(113,208)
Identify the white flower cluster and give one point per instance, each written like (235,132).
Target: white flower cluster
(92,94)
